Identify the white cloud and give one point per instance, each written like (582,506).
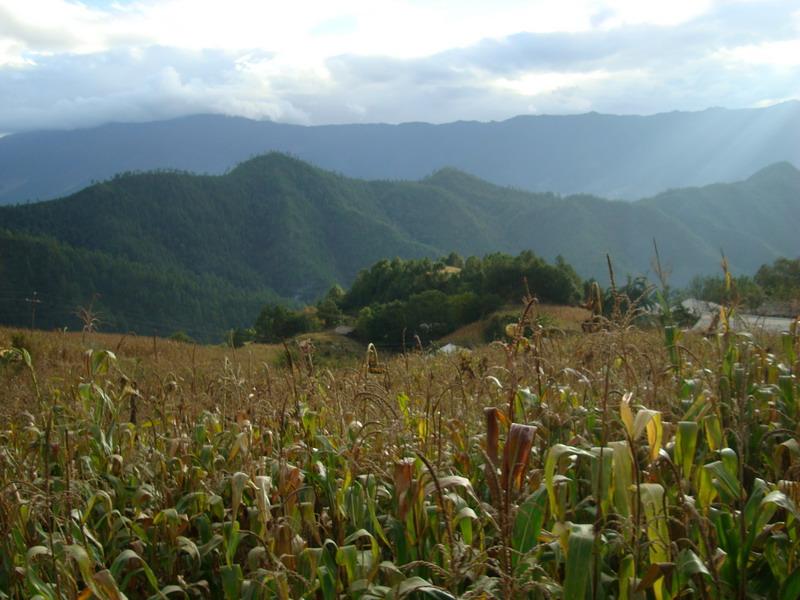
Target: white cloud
(535,84)
(377,27)
(639,12)
(64,63)
(784,53)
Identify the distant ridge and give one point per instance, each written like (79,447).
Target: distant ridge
(210,249)
(626,157)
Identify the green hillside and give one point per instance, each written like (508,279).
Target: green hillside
(126,296)
(203,251)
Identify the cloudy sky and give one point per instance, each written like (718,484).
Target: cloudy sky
(65,63)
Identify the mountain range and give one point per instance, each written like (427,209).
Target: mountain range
(626,157)
(204,252)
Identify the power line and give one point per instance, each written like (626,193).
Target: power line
(33,302)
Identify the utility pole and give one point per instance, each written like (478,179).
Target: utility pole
(33,302)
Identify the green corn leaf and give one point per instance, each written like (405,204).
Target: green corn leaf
(238,482)
(231,581)
(790,590)
(688,564)
(417,585)
(231,538)
(463,520)
(601,488)
(623,477)
(627,576)
(327,582)
(36,551)
(107,586)
(190,500)
(580,547)
(754,504)
(449,481)
(725,483)
(212,544)
(657,533)
(373,513)
(127,556)
(528,523)
(685,445)
(783,501)
(26,357)
(730,460)
(85,566)
(101,361)
(364,534)
(347,557)
(100,586)
(698,408)
(551,463)
(256,557)
(706,491)
(713,427)
(187,546)
(101,497)
(168,591)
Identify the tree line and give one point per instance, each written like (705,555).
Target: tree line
(396,300)
(776,284)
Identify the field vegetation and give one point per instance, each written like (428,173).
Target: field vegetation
(617,464)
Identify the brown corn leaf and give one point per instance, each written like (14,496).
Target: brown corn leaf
(516,454)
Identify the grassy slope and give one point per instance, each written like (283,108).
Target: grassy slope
(567,319)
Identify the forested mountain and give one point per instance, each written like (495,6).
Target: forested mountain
(200,250)
(124,295)
(613,156)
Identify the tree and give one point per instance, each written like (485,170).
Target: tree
(781,280)
(276,323)
(454,260)
(328,309)
(240,336)
(742,290)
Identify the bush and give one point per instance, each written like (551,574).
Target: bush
(277,323)
(181,336)
(240,336)
(21,341)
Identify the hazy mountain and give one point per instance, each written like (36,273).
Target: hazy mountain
(614,156)
(276,225)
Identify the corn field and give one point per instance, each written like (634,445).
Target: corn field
(619,464)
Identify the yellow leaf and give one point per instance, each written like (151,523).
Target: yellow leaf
(654,434)
(626,413)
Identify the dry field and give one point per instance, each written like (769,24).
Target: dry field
(620,464)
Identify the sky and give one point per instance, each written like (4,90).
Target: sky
(68,64)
